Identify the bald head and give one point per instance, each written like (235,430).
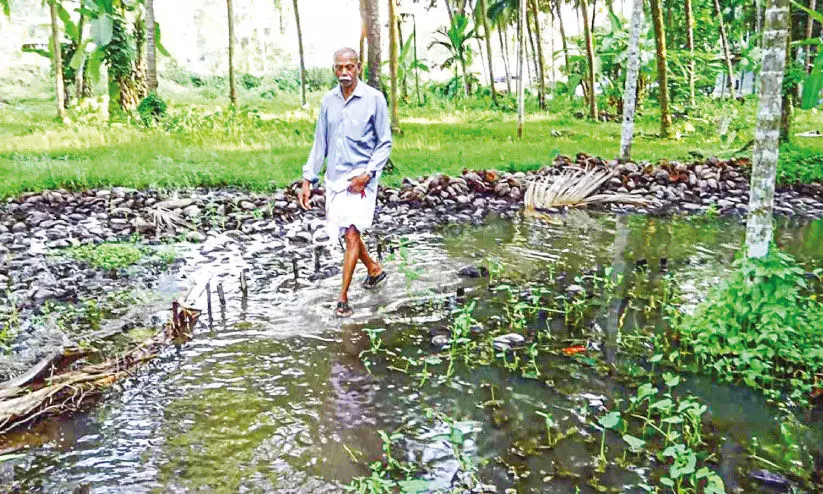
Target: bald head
(346,67)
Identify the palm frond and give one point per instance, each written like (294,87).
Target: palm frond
(165,219)
(574,187)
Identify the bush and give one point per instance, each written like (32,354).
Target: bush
(250,82)
(799,165)
(762,325)
(152,109)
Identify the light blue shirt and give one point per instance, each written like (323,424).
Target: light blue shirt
(352,135)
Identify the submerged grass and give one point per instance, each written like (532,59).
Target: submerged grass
(264,143)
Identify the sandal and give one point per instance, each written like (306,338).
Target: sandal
(343,309)
(372,281)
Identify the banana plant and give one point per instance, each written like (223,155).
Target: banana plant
(813,82)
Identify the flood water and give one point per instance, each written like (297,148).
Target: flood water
(275,395)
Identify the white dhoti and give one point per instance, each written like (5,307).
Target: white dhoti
(345,209)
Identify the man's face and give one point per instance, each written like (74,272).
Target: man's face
(346,69)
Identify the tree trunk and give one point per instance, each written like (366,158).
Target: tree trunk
(809,29)
(151,47)
(521,56)
(690,47)
(404,87)
(141,86)
(364,23)
(584,10)
(57,60)
(662,75)
(724,41)
(79,84)
(531,51)
(766,140)
(630,92)
(393,55)
(788,93)
(487,35)
(232,85)
(563,39)
(541,74)
(505,50)
(373,30)
(300,50)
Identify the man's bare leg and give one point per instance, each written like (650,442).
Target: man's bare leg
(353,243)
(373,267)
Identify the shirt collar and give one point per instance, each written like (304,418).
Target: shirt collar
(359,90)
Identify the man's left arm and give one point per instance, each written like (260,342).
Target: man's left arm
(382,128)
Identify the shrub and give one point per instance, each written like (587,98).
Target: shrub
(761,325)
(799,165)
(152,109)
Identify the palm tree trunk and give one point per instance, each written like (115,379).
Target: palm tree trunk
(531,51)
(79,84)
(724,41)
(504,48)
(487,36)
(232,85)
(300,50)
(690,47)
(393,55)
(404,86)
(630,92)
(364,23)
(57,60)
(541,60)
(788,94)
(766,141)
(809,29)
(662,68)
(521,60)
(373,30)
(584,10)
(563,39)
(151,47)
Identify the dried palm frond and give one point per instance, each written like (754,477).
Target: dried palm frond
(165,219)
(574,187)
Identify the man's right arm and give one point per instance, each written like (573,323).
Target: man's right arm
(318,152)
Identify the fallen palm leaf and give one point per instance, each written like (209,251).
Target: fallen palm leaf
(574,187)
(165,219)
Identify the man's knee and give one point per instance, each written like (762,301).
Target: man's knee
(352,237)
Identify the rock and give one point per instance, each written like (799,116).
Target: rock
(472,271)
(175,203)
(36,218)
(19,228)
(662,176)
(247,206)
(191,211)
(440,340)
(507,341)
(195,237)
(574,289)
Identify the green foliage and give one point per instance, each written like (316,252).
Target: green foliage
(760,326)
(152,109)
(108,256)
(119,52)
(799,165)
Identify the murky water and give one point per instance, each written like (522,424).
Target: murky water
(273,393)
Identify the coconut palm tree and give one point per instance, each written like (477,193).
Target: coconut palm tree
(232,83)
(766,139)
(371,15)
(302,59)
(662,67)
(724,41)
(690,46)
(521,61)
(57,59)
(151,47)
(393,56)
(456,40)
(632,72)
(587,34)
(541,73)
(484,17)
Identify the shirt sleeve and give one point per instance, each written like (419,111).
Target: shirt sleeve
(318,152)
(382,127)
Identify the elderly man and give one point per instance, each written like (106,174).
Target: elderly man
(354,136)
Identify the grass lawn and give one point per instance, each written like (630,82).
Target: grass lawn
(265,144)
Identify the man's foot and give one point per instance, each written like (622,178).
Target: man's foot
(373,281)
(343,310)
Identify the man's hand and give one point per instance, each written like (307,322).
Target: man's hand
(359,183)
(305,195)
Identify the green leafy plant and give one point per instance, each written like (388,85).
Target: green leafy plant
(152,109)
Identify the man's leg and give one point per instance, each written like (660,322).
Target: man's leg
(373,267)
(353,243)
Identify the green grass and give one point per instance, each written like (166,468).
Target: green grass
(264,144)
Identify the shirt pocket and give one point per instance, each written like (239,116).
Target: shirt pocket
(360,126)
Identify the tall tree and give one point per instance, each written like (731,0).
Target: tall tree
(151,47)
(393,55)
(587,34)
(662,68)
(232,84)
(563,40)
(300,49)
(364,32)
(504,48)
(766,139)
(521,60)
(690,46)
(724,41)
(79,74)
(484,16)
(57,60)
(809,29)
(372,16)
(541,60)
(632,72)
(456,40)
